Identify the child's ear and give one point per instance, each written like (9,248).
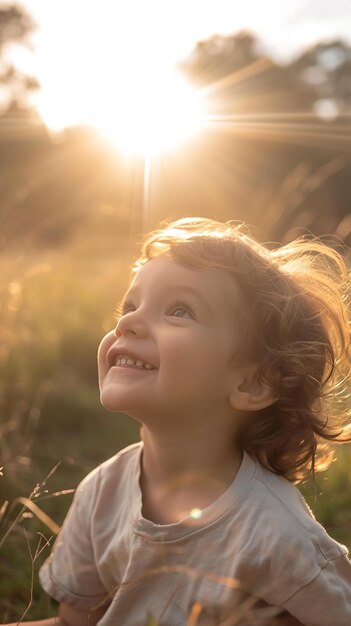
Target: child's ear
(249,393)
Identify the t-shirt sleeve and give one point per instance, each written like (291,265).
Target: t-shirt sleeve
(326,600)
(70,573)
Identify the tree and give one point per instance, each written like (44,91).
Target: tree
(240,80)
(281,167)
(16,26)
(327,67)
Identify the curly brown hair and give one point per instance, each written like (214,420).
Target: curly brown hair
(298,296)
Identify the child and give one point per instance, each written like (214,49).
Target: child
(235,359)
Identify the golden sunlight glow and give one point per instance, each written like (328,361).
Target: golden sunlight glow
(195,513)
(152,115)
(145,115)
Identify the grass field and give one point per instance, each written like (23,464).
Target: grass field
(54,310)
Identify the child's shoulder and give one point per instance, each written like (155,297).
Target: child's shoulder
(113,472)
(127,457)
(279,515)
(276,537)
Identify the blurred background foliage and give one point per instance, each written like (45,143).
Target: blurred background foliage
(276,154)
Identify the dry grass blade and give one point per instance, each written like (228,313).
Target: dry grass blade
(29,504)
(38,551)
(39,513)
(55,494)
(4,509)
(195,614)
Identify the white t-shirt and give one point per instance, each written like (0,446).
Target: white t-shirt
(258,538)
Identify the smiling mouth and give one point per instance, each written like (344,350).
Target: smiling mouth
(126,362)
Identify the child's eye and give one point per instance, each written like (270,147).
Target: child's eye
(180,309)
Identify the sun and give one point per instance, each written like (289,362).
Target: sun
(128,85)
(141,113)
(144,115)
(152,115)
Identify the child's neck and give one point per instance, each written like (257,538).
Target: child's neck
(178,478)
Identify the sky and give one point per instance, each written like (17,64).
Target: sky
(285,27)
(118,41)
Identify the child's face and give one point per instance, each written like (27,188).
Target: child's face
(183,322)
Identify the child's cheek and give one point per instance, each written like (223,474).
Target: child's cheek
(182,358)
(103,348)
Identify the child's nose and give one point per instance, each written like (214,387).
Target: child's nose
(131,323)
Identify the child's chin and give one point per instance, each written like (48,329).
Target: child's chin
(111,402)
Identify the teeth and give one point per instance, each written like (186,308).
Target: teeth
(128,361)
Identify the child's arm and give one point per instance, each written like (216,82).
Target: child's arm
(69,616)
